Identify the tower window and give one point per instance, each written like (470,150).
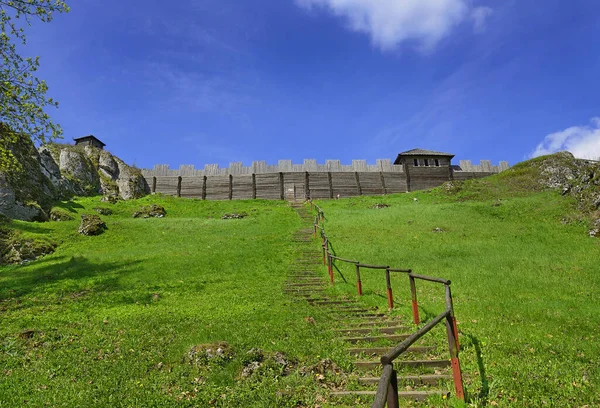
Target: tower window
(426,162)
(416,162)
(437,163)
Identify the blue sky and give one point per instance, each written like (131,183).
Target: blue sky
(219,81)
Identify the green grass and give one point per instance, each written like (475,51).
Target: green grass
(114,315)
(109,320)
(525,285)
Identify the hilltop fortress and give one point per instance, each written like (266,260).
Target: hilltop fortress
(416,169)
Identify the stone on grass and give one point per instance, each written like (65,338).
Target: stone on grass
(152,210)
(380,205)
(258,363)
(103,211)
(234,216)
(91,225)
(17,250)
(57,214)
(207,355)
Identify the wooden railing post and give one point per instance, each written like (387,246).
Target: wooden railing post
(415,305)
(450,306)
(392,394)
(358,282)
(389,288)
(452,345)
(330,266)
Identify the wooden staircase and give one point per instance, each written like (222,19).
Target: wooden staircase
(423,372)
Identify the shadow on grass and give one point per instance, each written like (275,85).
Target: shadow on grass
(20,281)
(485,386)
(31,227)
(339,272)
(68,205)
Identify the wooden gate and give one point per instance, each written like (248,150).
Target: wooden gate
(294,192)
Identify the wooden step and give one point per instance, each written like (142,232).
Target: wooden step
(300,285)
(391,337)
(387,330)
(410,395)
(329,302)
(429,379)
(356,314)
(379,351)
(379,322)
(369,365)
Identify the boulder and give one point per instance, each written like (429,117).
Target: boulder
(57,214)
(91,225)
(153,210)
(12,207)
(103,210)
(14,249)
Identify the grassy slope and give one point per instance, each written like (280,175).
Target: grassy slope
(107,310)
(526,288)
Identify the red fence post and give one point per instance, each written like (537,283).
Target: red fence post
(358,282)
(330,266)
(389,288)
(415,305)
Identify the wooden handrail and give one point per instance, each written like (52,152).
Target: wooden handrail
(391,355)
(373,266)
(387,391)
(401,270)
(344,260)
(431,279)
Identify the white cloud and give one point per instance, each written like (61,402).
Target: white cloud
(391,22)
(479,16)
(582,141)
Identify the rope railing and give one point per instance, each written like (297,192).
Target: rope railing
(387,391)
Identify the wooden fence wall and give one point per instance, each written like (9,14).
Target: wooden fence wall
(279,186)
(301,185)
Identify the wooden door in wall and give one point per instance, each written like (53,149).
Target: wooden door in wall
(294,192)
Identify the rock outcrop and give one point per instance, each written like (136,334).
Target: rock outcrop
(58,172)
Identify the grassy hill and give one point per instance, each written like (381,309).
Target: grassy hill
(524,274)
(120,319)
(110,320)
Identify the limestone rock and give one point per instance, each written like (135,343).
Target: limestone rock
(15,249)
(153,210)
(12,207)
(91,225)
(103,210)
(60,215)
(59,172)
